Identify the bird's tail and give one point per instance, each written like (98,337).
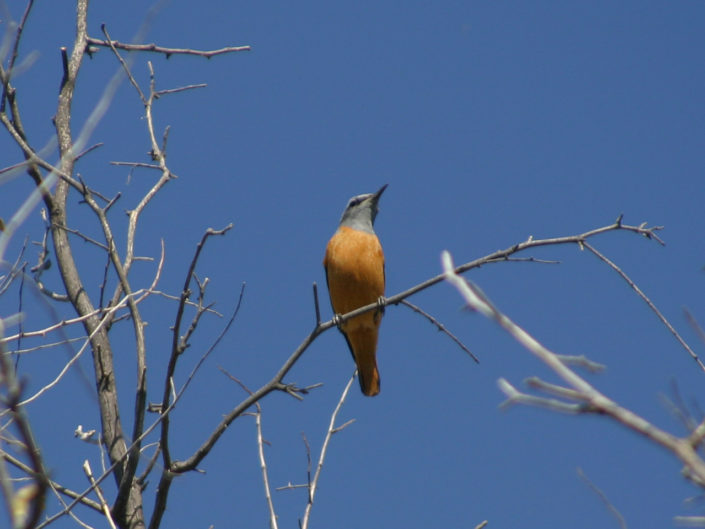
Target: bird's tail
(363,343)
(368,375)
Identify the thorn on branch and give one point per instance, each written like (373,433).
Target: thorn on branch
(86,151)
(164,139)
(582,361)
(112,201)
(342,426)
(90,50)
(315,304)
(65,66)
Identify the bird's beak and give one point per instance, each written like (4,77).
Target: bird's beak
(379,193)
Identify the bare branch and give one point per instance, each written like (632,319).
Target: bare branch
(123,64)
(651,305)
(515,396)
(690,521)
(503,255)
(167,91)
(137,164)
(108,471)
(171,468)
(695,325)
(34,494)
(6,76)
(441,327)
(603,497)
(260,452)
(324,450)
(166,51)
(595,402)
(582,361)
(177,346)
(75,358)
(105,508)
(276,382)
(84,237)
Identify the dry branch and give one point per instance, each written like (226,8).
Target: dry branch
(153,48)
(586,398)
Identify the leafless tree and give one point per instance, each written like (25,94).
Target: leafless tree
(93,324)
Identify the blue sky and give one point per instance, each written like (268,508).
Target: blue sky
(491,122)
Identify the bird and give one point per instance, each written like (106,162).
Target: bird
(354,265)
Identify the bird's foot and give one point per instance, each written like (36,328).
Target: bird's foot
(336,320)
(381,302)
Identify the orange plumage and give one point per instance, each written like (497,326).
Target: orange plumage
(354,264)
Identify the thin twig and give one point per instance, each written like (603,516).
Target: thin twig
(84,237)
(108,471)
(440,326)
(515,396)
(137,164)
(603,497)
(37,491)
(695,325)
(167,91)
(175,467)
(260,452)
(6,76)
(124,65)
(646,300)
(166,51)
(104,505)
(176,346)
(324,450)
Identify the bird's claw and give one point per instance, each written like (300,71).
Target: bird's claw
(381,302)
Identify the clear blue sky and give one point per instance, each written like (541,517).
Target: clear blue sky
(491,122)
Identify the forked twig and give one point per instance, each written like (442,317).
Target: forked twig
(260,452)
(332,429)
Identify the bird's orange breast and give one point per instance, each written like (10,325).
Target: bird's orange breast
(354,265)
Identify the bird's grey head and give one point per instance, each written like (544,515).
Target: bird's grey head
(361,211)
